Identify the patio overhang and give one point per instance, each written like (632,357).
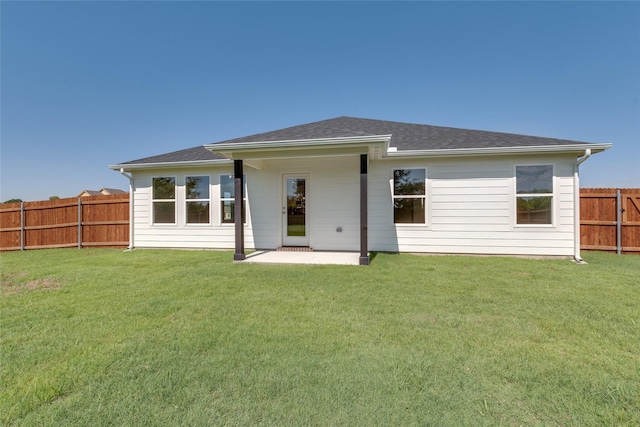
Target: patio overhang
(375,146)
(255,153)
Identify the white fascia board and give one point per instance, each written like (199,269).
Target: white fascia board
(172,165)
(230,148)
(569,148)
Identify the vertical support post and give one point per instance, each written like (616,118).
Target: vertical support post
(238,209)
(364,238)
(22,226)
(618,222)
(79,223)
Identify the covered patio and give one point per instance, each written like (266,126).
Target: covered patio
(258,154)
(302,257)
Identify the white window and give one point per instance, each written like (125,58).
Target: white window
(534,194)
(197,199)
(409,196)
(227,199)
(164,200)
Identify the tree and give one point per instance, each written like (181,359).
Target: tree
(54,198)
(13,201)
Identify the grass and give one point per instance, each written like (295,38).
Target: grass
(105,337)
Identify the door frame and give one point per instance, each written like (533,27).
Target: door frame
(294,240)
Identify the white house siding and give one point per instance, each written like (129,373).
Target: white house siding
(471,208)
(180,235)
(333,201)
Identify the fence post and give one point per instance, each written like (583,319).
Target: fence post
(79,223)
(22,226)
(618,223)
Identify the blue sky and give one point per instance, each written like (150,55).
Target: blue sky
(88,84)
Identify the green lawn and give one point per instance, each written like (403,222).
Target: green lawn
(105,337)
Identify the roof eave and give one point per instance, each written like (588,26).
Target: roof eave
(166,165)
(375,145)
(543,149)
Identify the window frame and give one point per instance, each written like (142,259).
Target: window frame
(174,201)
(187,200)
(221,200)
(517,195)
(424,196)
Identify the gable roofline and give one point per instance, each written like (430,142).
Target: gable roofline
(351,135)
(169,165)
(388,152)
(375,145)
(541,149)
(405,136)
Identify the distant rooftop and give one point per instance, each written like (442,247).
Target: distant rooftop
(102,192)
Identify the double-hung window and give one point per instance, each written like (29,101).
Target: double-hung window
(534,194)
(409,196)
(164,200)
(197,199)
(227,199)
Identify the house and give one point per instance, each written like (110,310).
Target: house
(102,192)
(109,191)
(88,193)
(353,184)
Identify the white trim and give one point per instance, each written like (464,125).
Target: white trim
(424,224)
(262,145)
(375,145)
(453,152)
(232,199)
(364,141)
(172,165)
(576,205)
(152,200)
(296,240)
(553,195)
(187,200)
(131,207)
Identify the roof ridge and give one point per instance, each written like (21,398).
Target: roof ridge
(276,130)
(458,128)
(408,137)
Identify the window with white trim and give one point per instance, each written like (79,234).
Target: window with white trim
(164,200)
(409,196)
(197,199)
(227,199)
(534,195)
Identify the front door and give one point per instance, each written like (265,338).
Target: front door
(295,229)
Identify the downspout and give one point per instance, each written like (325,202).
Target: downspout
(131,219)
(576,206)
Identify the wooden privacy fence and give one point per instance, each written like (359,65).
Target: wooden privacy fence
(62,223)
(610,219)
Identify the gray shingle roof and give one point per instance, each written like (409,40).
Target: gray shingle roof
(188,155)
(404,136)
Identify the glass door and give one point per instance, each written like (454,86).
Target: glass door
(294,210)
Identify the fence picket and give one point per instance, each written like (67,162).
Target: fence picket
(610,219)
(104,221)
(98,221)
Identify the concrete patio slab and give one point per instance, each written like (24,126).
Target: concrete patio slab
(276,257)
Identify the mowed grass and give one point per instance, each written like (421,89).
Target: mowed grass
(155,337)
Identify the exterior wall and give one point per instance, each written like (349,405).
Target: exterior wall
(197,236)
(470,209)
(332,201)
